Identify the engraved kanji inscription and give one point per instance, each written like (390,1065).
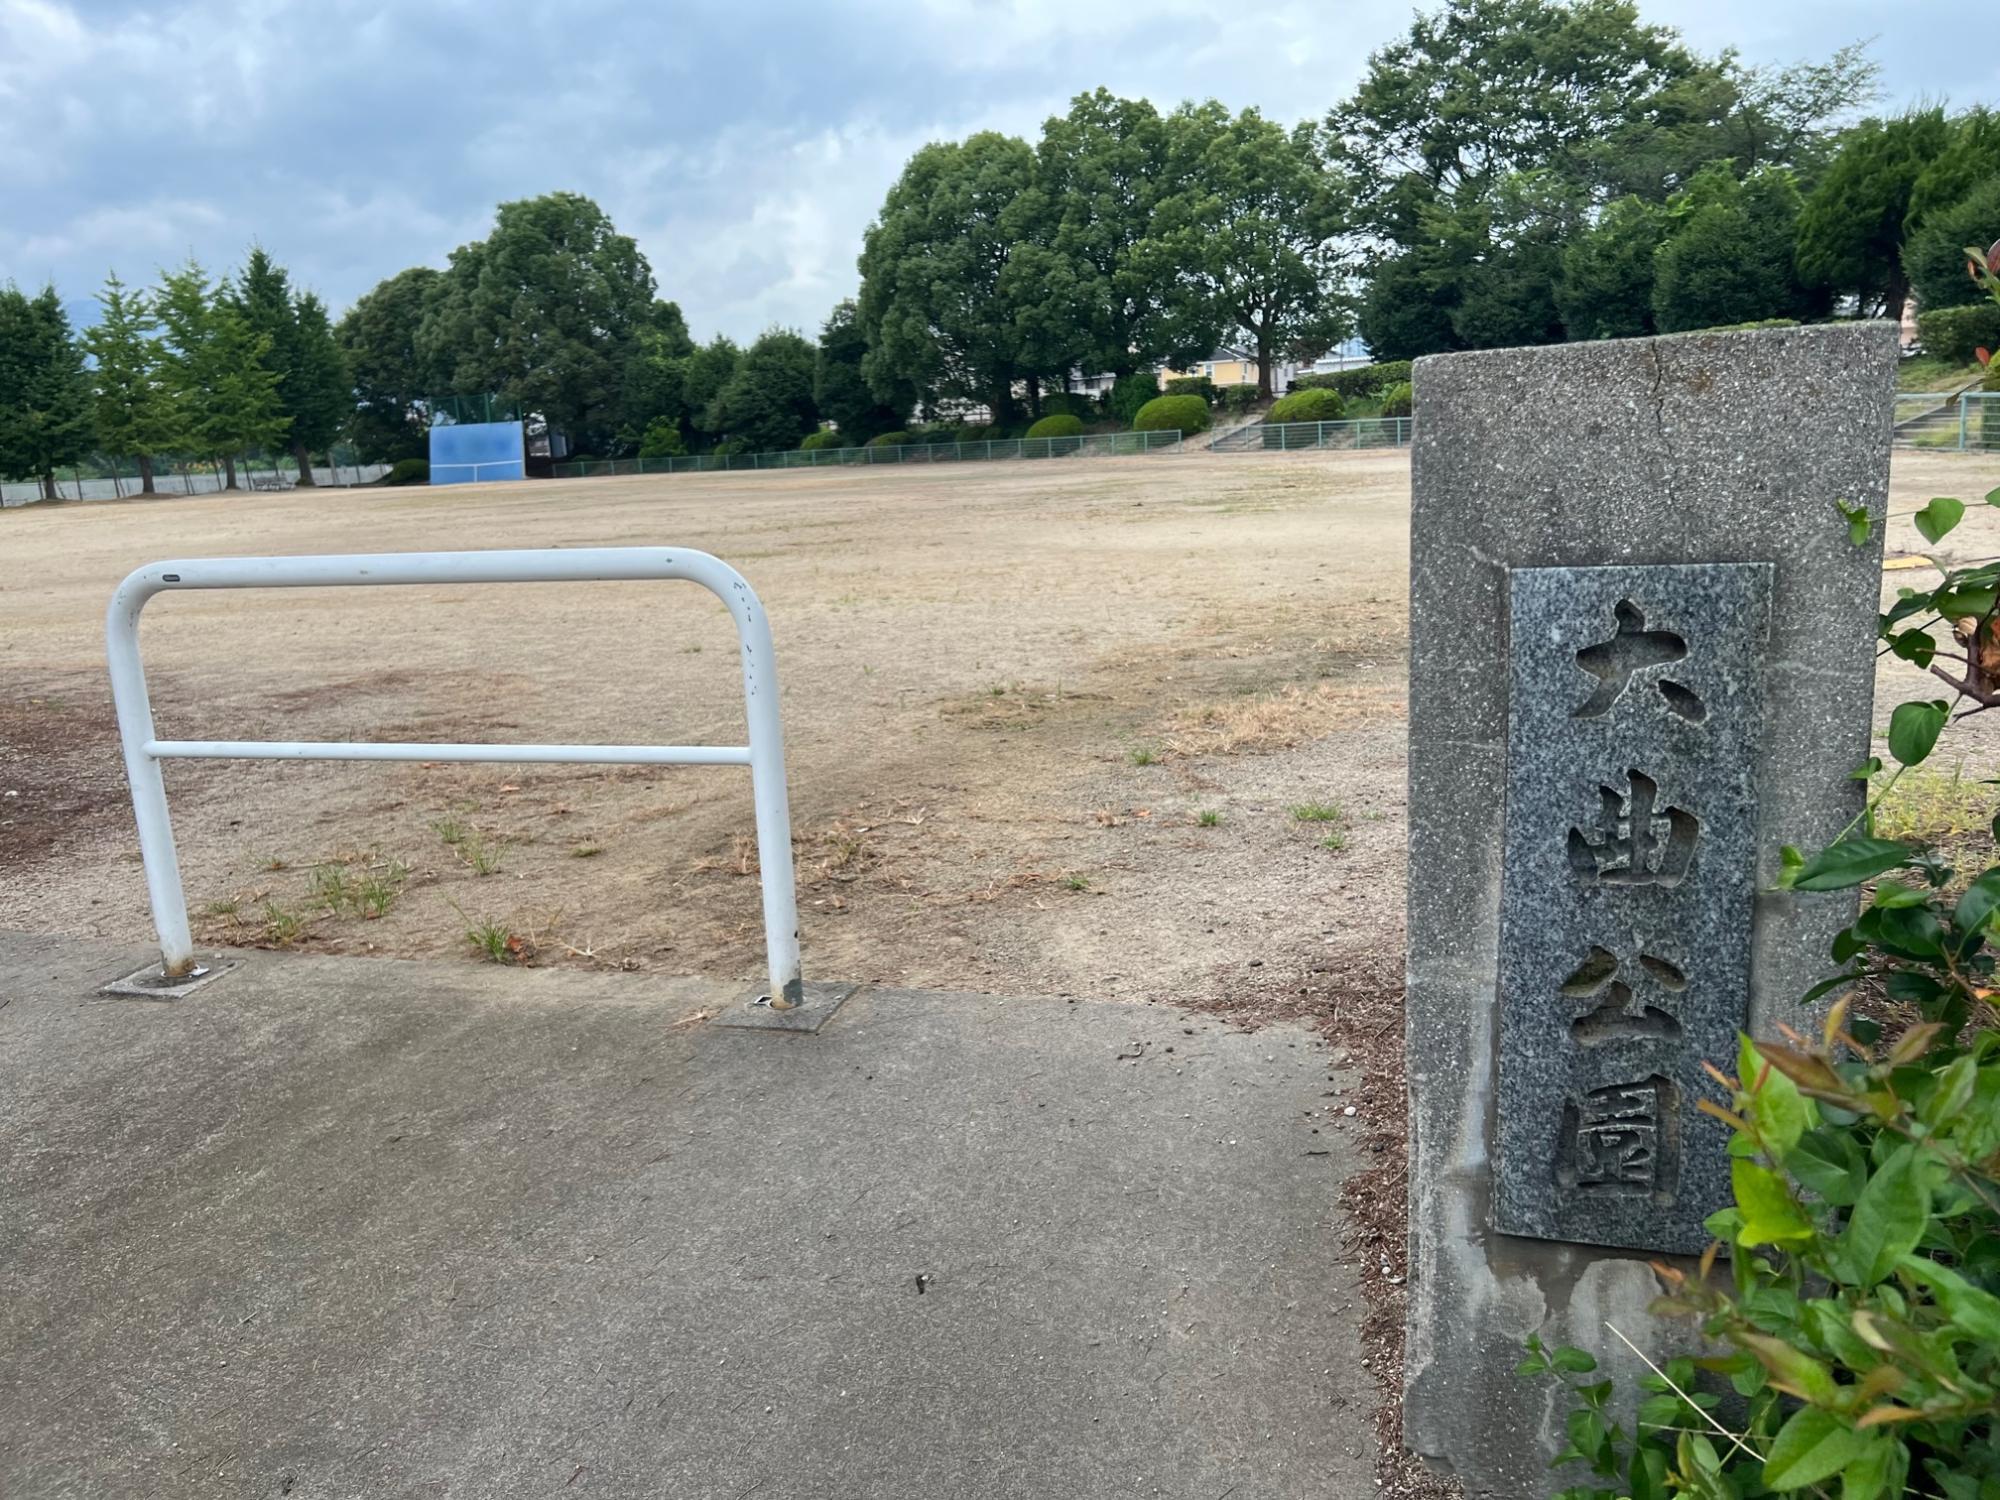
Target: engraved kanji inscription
(1636,842)
(1631,650)
(1618,1139)
(1624,998)
(1628,894)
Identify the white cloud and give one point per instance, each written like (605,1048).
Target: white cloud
(745,146)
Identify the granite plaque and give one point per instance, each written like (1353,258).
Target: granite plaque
(1628,886)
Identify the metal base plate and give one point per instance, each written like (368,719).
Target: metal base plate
(756,1012)
(150,984)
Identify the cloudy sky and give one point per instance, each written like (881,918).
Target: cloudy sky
(745,143)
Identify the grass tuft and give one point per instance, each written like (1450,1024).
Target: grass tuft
(1208,817)
(1318,812)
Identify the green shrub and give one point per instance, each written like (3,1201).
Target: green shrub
(408,471)
(1934,255)
(891,440)
(663,439)
(826,437)
(1062,424)
(1238,398)
(1066,403)
(1956,333)
(1314,404)
(729,448)
(1130,393)
(1192,385)
(1365,381)
(1751,326)
(1182,414)
(1395,400)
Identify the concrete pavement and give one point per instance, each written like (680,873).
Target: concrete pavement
(345,1227)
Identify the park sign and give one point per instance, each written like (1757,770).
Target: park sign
(1641,664)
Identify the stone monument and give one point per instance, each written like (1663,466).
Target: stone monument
(1641,662)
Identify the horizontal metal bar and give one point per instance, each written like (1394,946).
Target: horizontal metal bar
(594,755)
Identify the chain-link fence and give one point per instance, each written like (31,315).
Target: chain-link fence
(1099,444)
(1278,437)
(118,479)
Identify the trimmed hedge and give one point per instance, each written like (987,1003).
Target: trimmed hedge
(1192,385)
(826,437)
(1238,398)
(1957,333)
(1058,424)
(1130,393)
(889,440)
(1182,414)
(1751,326)
(1396,400)
(1314,404)
(1365,381)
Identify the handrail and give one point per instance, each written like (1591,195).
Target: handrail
(764,755)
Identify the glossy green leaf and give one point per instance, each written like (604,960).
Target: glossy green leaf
(1973,1312)
(1975,908)
(1812,1446)
(1848,863)
(1914,728)
(1888,1219)
(1858,524)
(1827,1164)
(1771,1216)
(1937,519)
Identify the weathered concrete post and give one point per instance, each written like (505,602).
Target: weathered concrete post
(1641,662)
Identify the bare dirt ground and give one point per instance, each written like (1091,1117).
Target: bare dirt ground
(1125,727)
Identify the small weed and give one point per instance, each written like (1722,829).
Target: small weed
(276,862)
(694,650)
(484,858)
(1334,842)
(491,941)
(998,690)
(451,829)
(281,923)
(328,885)
(376,892)
(1144,755)
(586,851)
(1208,817)
(226,907)
(1075,883)
(1935,805)
(1318,812)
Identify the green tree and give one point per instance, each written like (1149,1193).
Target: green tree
(1253,234)
(545,310)
(1106,166)
(704,374)
(313,389)
(1934,257)
(662,439)
(391,373)
(1501,255)
(1482,88)
(1850,231)
(224,394)
(655,371)
(842,392)
(317,392)
(1727,257)
(1403,312)
(1606,290)
(1971,156)
(45,406)
(937,307)
(768,402)
(133,415)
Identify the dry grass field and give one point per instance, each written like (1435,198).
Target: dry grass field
(1050,726)
(1131,727)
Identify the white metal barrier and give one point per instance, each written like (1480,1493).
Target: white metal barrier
(764,755)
